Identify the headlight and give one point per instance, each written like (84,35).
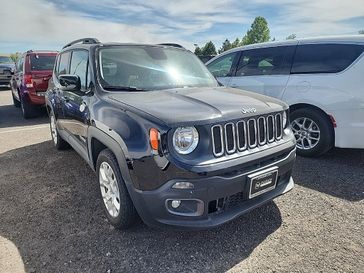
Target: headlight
(284,119)
(185,140)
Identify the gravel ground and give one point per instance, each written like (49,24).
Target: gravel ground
(51,214)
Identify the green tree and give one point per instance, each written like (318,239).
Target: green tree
(236,43)
(226,45)
(198,51)
(258,32)
(15,56)
(209,49)
(291,37)
(361,31)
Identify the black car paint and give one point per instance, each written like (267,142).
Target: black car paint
(120,121)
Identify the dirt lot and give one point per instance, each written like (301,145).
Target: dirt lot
(51,219)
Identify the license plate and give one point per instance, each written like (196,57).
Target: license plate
(262,181)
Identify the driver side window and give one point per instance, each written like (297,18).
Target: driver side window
(221,67)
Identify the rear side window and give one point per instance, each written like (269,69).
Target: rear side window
(79,62)
(41,62)
(221,67)
(63,66)
(324,58)
(265,61)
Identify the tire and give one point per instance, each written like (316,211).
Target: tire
(15,101)
(126,216)
(57,140)
(313,131)
(27,109)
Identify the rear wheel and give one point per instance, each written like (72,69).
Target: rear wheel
(117,203)
(58,141)
(313,132)
(27,109)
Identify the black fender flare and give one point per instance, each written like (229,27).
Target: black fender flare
(115,146)
(119,153)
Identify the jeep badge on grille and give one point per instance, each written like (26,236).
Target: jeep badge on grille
(248,110)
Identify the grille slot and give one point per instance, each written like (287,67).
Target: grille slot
(217,140)
(262,131)
(246,134)
(230,138)
(279,128)
(252,133)
(270,128)
(241,132)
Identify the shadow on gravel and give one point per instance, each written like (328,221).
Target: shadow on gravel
(51,209)
(10,116)
(339,173)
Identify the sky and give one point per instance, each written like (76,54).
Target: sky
(50,24)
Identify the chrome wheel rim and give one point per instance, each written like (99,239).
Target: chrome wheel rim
(306,132)
(53,129)
(109,189)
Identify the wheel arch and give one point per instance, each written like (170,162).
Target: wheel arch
(297,106)
(328,117)
(98,141)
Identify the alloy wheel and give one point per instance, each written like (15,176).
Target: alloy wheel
(109,189)
(306,132)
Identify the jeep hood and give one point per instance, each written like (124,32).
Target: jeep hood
(7,65)
(198,105)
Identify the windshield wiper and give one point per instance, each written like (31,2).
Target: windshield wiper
(123,88)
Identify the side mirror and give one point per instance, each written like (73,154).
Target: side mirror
(216,78)
(70,82)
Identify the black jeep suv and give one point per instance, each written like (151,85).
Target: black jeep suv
(167,142)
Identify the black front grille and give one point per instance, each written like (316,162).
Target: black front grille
(246,134)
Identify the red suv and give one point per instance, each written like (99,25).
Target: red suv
(30,80)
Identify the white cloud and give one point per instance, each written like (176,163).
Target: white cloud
(45,23)
(38,22)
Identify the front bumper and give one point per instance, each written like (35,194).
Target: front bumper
(227,191)
(5,79)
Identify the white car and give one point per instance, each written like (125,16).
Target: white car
(322,79)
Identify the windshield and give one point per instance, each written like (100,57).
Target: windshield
(4,59)
(42,62)
(135,68)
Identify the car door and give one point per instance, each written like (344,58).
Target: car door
(61,68)
(75,103)
(223,67)
(264,70)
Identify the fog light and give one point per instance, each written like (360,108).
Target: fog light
(183,185)
(175,203)
(185,207)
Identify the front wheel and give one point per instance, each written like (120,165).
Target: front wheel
(58,141)
(313,132)
(117,203)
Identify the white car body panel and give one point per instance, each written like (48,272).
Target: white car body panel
(340,95)
(269,85)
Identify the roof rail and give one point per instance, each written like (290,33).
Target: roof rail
(83,41)
(171,44)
